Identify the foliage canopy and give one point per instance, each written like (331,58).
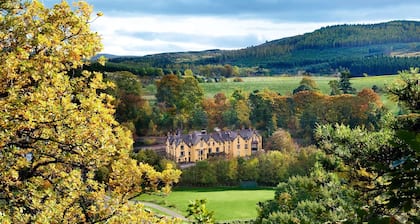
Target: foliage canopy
(57,128)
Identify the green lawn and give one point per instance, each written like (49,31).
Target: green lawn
(227,203)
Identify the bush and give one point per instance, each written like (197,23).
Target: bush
(281,140)
(237,79)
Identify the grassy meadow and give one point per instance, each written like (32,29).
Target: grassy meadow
(285,85)
(227,203)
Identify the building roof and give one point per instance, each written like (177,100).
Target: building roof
(218,136)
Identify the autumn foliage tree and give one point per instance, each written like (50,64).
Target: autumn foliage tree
(179,98)
(57,128)
(215,108)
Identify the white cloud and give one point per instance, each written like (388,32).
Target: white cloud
(123,35)
(139,27)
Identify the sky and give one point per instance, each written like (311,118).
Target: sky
(142,27)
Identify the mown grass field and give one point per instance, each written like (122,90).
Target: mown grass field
(227,203)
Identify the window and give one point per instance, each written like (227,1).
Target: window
(217,150)
(254,146)
(246,145)
(210,150)
(239,146)
(182,153)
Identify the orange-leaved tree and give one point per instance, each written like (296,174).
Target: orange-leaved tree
(57,128)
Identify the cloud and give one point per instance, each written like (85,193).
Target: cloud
(152,34)
(139,27)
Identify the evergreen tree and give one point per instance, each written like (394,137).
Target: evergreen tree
(344,83)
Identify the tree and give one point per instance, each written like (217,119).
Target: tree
(281,140)
(199,119)
(57,128)
(248,169)
(188,72)
(198,210)
(262,110)
(179,97)
(306,84)
(214,108)
(150,157)
(237,113)
(344,83)
(202,174)
(168,90)
(239,103)
(407,90)
(319,197)
(379,165)
(274,167)
(335,87)
(131,108)
(382,164)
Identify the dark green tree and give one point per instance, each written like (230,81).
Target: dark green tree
(407,90)
(344,83)
(306,84)
(179,98)
(131,108)
(319,197)
(150,157)
(383,165)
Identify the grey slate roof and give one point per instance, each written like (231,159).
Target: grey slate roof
(219,136)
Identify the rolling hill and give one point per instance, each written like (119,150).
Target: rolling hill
(374,49)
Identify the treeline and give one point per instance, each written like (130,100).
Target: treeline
(301,112)
(309,61)
(267,169)
(206,73)
(376,65)
(137,69)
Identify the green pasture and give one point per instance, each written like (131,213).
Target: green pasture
(227,203)
(286,85)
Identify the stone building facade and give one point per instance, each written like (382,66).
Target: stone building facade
(197,146)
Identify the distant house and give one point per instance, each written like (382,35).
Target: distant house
(199,146)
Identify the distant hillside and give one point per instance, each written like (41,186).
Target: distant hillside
(375,49)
